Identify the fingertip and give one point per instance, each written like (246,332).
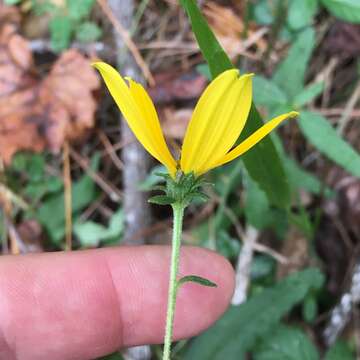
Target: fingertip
(198,306)
(90,303)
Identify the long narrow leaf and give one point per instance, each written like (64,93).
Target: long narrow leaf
(212,50)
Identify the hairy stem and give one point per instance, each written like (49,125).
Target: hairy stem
(178,211)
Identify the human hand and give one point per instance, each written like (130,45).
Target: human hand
(86,304)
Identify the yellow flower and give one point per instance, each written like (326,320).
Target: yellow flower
(217,121)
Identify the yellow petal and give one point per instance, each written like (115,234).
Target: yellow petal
(139,112)
(253,139)
(217,121)
(149,114)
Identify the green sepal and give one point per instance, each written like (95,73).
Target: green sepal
(182,189)
(163,175)
(196,279)
(198,195)
(162,200)
(158,188)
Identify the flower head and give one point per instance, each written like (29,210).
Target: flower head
(217,121)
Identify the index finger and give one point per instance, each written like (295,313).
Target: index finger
(86,304)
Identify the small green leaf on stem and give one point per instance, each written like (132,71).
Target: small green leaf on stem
(161,200)
(196,279)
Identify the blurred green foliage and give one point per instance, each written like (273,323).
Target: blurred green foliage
(255,325)
(301,12)
(92,234)
(347,10)
(286,343)
(340,351)
(69,21)
(243,326)
(45,193)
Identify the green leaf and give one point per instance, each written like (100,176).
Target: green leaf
(227,245)
(347,10)
(323,136)
(262,161)
(262,266)
(310,308)
(116,224)
(32,164)
(298,177)
(61,29)
(267,93)
(286,343)
(257,206)
(308,94)
(290,74)
(258,211)
(162,200)
(301,13)
(301,179)
(263,164)
(241,326)
(340,351)
(263,12)
(88,32)
(79,9)
(51,214)
(153,178)
(196,279)
(204,70)
(213,52)
(12,2)
(90,233)
(40,8)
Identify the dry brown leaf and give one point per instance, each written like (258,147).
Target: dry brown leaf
(229,27)
(175,122)
(172,87)
(296,249)
(35,113)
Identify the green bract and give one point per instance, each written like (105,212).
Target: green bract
(182,190)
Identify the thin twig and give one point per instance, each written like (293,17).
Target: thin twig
(127,40)
(350,105)
(242,235)
(326,76)
(266,250)
(114,194)
(110,150)
(14,241)
(341,314)
(15,199)
(243,266)
(44,45)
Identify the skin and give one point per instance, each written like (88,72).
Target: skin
(86,304)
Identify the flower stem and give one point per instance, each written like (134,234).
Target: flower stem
(178,211)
